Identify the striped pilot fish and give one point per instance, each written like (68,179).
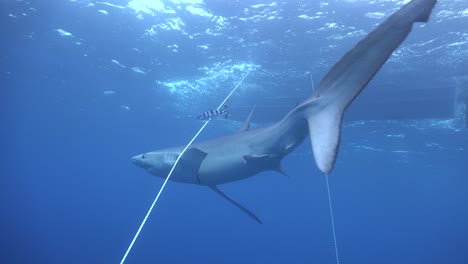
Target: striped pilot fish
(214,113)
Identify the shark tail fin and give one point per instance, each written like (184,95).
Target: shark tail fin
(423,6)
(324,131)
(324,109)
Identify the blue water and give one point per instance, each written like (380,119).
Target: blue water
(85,85)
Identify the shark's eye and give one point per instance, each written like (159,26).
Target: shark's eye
(143,156)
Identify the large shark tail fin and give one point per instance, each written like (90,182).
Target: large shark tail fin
(324,109)
(324,131)
(424,8)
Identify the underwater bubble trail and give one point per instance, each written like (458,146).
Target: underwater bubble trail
(332,220)
(172,169)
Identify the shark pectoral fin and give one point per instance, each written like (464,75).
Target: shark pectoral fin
(238,205)
(192,159)
(246,125)
(324,130)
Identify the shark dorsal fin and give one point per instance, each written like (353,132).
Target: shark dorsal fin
(246,125)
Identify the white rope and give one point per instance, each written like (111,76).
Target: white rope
(233,90)
(172,169)
(312,81)
(332,220)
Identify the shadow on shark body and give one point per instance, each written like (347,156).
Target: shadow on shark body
(251,151)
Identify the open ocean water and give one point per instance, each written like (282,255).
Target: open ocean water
(85,85)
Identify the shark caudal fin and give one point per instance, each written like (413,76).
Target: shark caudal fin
(324,109)
(324,130)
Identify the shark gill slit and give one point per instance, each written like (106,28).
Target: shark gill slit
(172,170)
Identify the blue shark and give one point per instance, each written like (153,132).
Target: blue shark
(250,151)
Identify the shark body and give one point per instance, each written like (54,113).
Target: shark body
(251,151)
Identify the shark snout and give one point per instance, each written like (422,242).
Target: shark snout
(137,160)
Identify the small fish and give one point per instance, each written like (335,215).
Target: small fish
(214,113)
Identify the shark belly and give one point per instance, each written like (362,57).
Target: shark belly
(244,155)
(225,161)
(217,170)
